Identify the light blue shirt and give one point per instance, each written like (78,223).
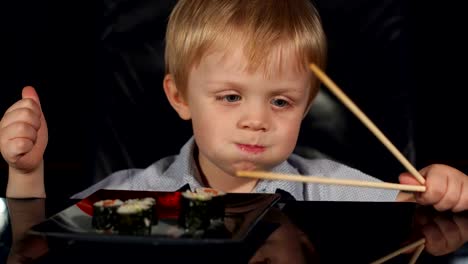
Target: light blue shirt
(174,172)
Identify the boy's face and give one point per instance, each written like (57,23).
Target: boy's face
(245,120)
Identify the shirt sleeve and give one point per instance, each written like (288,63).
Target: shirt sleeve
(119,180)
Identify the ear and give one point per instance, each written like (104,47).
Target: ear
(176,99)
(306,112)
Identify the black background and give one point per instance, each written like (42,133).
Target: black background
(52,46)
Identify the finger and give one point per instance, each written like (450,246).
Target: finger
(17,139)
(19,130)
(436,184)
(15,149)
(462,204)
(408,178)
(26,103)
(30,92)
(451,195)
(22,115)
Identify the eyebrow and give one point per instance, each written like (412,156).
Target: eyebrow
(226,83)
(286,90)
(239,86)
(281,90)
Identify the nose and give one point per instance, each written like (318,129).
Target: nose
(255,119)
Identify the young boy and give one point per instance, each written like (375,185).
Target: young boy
(239,71)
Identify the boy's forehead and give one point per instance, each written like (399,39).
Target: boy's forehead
(279,62)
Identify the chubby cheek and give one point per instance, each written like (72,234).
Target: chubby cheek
(205,129)
(287,144)
(209,129)
(287,136)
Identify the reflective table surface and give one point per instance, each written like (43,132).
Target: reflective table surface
(290,232)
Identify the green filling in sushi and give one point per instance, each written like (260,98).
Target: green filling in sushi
(136,216)
(195,211)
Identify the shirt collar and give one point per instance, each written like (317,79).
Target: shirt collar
(296,189)
(184,171)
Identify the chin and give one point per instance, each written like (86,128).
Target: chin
(245,165)
(252,166)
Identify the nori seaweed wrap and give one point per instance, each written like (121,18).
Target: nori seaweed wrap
(136,216)
(217,203)
(105,214)
(195,211)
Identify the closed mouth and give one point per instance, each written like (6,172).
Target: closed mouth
(254,149)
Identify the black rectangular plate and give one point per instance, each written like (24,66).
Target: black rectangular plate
(242,212)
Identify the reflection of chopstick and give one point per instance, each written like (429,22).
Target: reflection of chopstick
(416,254)
(364,119)
(401,250)
(316,179)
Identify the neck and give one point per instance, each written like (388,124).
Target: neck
(230,184)
(220,180)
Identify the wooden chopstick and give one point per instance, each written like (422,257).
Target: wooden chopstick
(418,243)
(364,119)
(323,180)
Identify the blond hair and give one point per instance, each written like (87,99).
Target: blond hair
(197,26)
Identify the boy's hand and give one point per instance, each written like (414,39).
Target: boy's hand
(23,133)
(446,188)
(23,139)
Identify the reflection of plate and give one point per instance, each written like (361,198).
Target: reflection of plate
(242,213)
(73,220)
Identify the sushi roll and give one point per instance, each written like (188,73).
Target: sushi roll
(217,204)
(210,191)
(105,214)
(136,216)
(195,211)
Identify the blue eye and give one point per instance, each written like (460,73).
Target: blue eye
(279,103)
(229,98)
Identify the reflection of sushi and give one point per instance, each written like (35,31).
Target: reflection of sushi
(136,216)
(195,211)
(105,214)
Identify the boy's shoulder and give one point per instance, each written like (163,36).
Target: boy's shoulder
(132,179)
(170,173)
